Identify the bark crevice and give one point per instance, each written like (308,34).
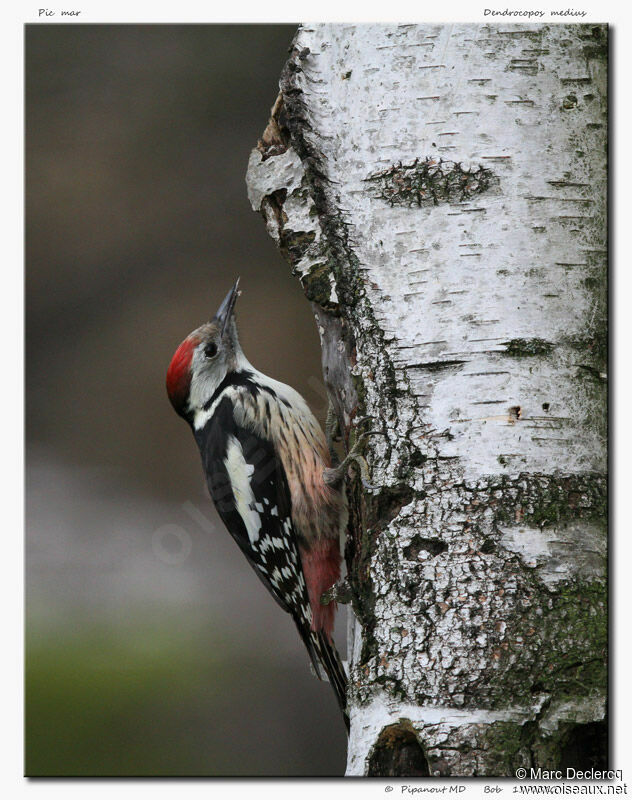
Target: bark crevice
(397,752)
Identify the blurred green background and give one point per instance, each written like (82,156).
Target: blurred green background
(151,648)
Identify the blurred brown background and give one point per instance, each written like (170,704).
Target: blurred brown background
(152,649)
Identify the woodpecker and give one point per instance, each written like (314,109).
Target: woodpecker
(269,471)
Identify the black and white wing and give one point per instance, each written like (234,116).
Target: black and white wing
(250,491)
(249,487)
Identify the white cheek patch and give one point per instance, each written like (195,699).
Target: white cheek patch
(240,474)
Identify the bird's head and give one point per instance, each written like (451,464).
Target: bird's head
(205,358)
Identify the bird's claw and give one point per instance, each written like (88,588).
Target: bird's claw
(338,593)
(334,475)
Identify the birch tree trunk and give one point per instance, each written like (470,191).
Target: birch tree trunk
(440,191)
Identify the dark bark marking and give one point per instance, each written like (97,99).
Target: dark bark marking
(586,747)
(398,753)
(520,348)
(437,366)
(430,181)
(515,413)
(419,544)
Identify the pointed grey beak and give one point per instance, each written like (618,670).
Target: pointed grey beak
(225,311)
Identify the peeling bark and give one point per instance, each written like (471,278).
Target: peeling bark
(440,191)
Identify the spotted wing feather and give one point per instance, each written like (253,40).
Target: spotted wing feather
(249,489)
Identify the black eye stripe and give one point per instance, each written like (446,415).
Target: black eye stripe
(210,351)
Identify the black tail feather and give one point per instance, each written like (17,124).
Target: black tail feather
(324,656)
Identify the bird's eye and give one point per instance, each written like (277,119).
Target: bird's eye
(210,351)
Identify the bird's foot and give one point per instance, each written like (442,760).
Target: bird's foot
(339,593)
(334,475)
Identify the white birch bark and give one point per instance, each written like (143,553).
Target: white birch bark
(440,190)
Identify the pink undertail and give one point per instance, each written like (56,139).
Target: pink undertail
(321,567)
